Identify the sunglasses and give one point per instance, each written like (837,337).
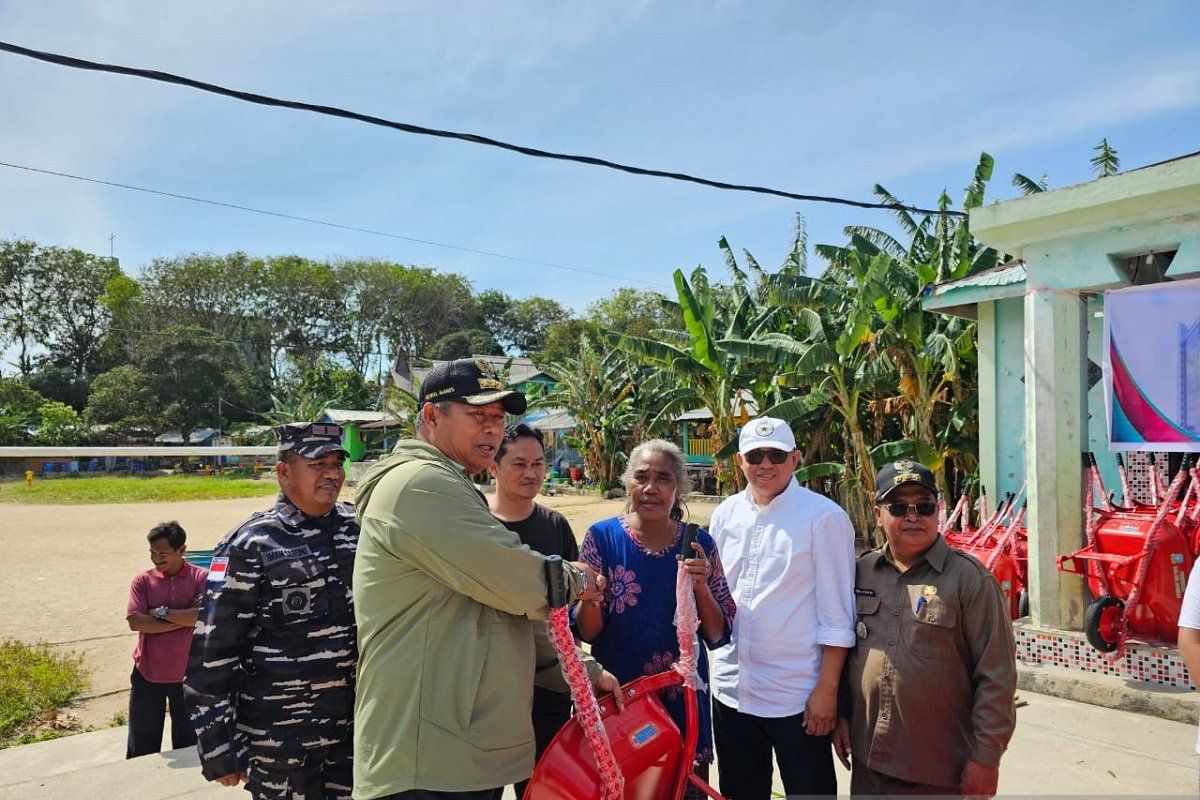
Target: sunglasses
(756,457)
(902,509)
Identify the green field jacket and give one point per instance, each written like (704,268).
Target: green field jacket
(446,600)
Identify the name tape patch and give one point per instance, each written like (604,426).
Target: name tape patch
(271,556)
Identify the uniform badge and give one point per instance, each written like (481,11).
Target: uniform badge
(861,629)
(217,569)
(297,600)
(864,592)
(929,591)
(764,428)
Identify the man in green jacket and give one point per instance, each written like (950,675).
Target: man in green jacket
(445,597)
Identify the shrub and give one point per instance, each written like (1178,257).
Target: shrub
(35,680)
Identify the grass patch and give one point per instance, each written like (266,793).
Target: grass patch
(35,681)
(124,489)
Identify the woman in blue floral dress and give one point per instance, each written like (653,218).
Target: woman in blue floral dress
(632,630)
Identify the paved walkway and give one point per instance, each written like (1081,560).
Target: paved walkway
(1060,748)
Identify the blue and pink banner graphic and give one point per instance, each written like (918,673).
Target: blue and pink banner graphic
(1152,367)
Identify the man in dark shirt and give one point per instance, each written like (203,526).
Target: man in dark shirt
(519,469)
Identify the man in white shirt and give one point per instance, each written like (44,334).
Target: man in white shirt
(789,560)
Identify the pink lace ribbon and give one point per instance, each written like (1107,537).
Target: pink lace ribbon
(587,710)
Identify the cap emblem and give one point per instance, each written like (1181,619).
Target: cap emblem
(764,428)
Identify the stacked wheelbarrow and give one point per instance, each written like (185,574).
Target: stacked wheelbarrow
(1137,558)
(1000,542)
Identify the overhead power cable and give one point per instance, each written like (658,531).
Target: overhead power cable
(327,224)
(333,111)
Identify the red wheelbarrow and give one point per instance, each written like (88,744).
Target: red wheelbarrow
(1000,544)
(1136,565)
(654,757)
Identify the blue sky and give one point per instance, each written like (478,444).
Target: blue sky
(817,98)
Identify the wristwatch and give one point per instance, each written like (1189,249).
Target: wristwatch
(161,612)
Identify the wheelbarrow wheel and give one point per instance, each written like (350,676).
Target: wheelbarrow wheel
(1102,622)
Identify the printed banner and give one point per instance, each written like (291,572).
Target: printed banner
(1152,367)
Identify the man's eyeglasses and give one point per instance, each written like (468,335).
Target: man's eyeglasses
(903,509)
(756,457)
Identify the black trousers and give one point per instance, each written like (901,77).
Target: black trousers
(744,743)
(148,703)
(551,710)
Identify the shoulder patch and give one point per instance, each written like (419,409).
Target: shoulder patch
(216,570)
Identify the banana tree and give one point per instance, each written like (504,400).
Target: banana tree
(831,350)
(710,374)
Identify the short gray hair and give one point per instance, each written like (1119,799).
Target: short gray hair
(441,405)
(683,484)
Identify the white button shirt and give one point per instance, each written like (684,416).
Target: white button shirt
(790,566)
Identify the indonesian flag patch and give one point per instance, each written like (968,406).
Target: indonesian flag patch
(216,570)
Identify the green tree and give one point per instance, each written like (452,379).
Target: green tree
(698,358)
(634,312)
(597,391)
(60,383)
(462,344)
(125,401)
(306,307)
(21,289)
(562,341)
(19,404)
(1105,162)
(191,366)
(59,425)
(314,386)
(73,315)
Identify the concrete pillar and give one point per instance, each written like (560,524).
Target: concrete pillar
(988,399)
(1055,437)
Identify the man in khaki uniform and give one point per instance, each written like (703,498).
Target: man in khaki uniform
(444,597)
(931,683)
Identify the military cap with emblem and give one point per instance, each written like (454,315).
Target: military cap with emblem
(766,432)
(471,381)
(309,439)
(896,474)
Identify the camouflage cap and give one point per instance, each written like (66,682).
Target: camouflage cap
(309,439)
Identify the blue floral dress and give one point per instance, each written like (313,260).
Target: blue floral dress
(639,612)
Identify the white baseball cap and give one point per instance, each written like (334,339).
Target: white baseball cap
(766,432)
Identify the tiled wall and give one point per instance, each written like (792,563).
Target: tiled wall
(1141,662)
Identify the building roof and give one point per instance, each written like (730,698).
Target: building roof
(959,297)
(345,416)
(550,419)
(202,435)
(170,437)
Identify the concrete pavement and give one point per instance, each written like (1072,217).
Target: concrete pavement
(1061,747)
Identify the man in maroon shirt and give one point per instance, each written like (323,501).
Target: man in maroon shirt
(162,608)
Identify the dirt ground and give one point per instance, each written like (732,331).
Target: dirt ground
(70,569)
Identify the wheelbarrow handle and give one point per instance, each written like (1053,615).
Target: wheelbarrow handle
(556,582)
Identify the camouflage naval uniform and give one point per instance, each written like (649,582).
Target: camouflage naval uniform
(270,678)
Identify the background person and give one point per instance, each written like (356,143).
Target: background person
(789,560)
(1189,629)
(271,674)
(632,630)
(932,681)
(445,598)
(163,602)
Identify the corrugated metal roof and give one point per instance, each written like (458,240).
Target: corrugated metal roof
(1003,275)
